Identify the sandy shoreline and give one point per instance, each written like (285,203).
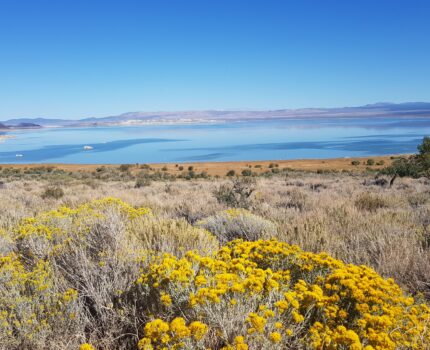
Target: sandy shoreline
(221,168)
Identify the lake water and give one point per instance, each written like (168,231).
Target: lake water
(247,140)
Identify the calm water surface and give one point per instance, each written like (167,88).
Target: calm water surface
(248,140)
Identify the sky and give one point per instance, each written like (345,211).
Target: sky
(81,58)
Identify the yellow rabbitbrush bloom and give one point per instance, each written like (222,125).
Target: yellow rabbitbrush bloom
(198,329)
(166,300)
(238,344)
(179,328)
(283,297)
(276,337)
(174,335)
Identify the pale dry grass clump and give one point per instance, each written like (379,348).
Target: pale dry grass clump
(173,236)
(234,224)
(370,202)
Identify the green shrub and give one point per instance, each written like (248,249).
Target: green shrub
(191,174)
(370,162)
(403,167)
(355,162)
(236,194)
(53,192)
(246,172)
(125,167)
(414,166)
(231,173)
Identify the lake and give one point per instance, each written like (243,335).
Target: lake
(245,140)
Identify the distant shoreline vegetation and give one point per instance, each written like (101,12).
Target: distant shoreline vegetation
(144,174)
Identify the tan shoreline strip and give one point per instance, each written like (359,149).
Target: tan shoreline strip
(221,168)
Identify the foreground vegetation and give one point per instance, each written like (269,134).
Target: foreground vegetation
(149,275)
(107,275)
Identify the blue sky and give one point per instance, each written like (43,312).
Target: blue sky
(86,58)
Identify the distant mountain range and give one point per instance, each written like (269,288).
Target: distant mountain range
(377,110)
(19,125)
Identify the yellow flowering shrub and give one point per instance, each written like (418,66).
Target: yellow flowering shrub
(61,271)
(51,232)
(30,306)
(271,295)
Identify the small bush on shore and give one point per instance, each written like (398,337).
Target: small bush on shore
(125,167)
(246,172)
